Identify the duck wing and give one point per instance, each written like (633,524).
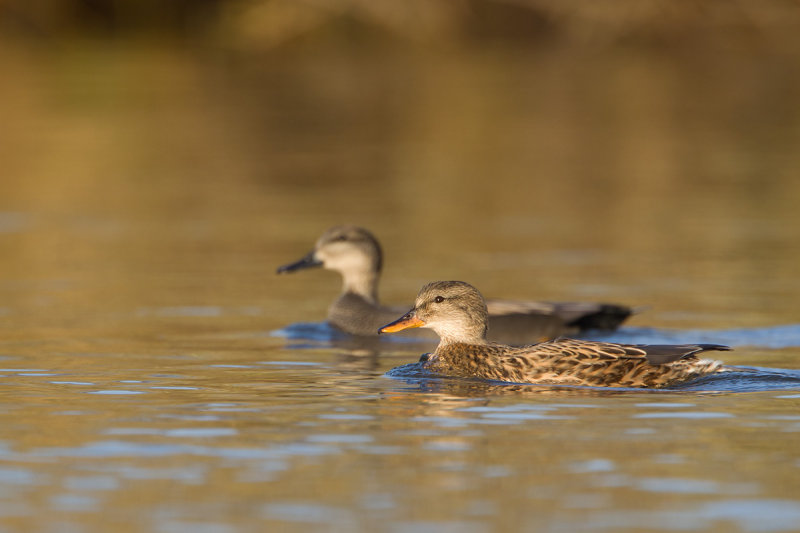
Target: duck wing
(654,354)
(660,354)
(524,322)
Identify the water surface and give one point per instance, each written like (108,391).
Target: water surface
(153,375)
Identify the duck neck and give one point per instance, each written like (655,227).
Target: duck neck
(473,336)
(362,283)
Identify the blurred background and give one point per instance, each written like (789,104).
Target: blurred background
(174,152)
(160,158)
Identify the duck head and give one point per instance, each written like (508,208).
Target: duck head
(351,251)
(455,310)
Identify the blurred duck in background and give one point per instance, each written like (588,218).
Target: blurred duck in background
(355,253)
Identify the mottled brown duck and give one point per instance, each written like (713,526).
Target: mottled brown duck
(356,254)
(456,311)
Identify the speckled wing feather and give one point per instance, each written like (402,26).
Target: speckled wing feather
(575,362)
(655,354)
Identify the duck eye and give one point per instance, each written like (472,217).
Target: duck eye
(439,299)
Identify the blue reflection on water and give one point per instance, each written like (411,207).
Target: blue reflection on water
(784,336)
(306,512)
(118,448)
(312,331)
(745,379)
(322,333)
(17,476)
(763,515)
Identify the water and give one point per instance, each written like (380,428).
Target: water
(155,375)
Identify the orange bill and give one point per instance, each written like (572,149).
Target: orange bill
(407,321)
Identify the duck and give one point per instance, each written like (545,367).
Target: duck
(457,313)
(357,256)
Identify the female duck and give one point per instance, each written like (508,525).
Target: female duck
(457,312)
(355,253)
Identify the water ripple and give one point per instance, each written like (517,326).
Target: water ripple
(738,379)
(749,515)
(305,512)
(683,414)
(784,336)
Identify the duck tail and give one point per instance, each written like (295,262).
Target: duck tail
(713,348)
(605,317)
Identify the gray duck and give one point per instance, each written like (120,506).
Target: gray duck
(355,253)
(457,312)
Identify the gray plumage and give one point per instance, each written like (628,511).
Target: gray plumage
(355,253)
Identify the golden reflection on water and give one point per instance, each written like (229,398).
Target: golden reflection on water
(148,195)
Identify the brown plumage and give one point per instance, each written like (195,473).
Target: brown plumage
(356,254)
(457,313)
